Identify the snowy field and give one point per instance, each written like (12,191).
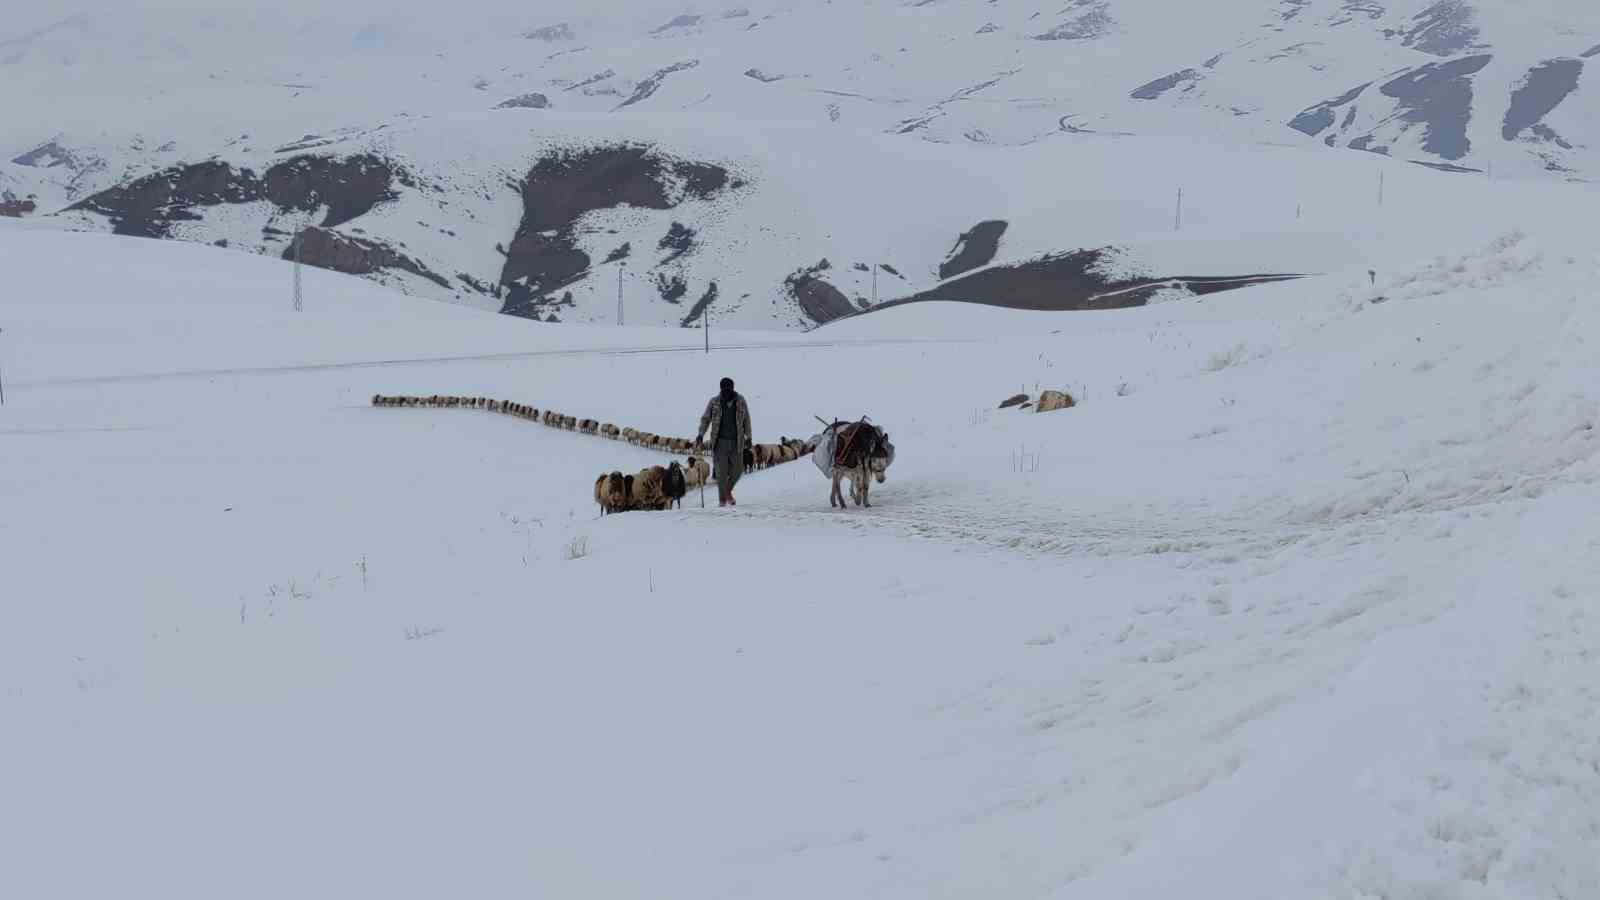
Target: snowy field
(1299,602)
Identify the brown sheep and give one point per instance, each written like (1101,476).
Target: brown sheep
(611,492)
(609,430)
(589,426)
(648,489)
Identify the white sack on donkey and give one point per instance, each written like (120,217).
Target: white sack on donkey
(858,451)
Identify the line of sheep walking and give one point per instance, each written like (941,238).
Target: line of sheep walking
(655,487)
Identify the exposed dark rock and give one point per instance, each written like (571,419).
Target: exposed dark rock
(759,75)
(1068,281)
(1365,142)
(700,306)
(890,269)
(683,21)
(350,187)
(551,33)
(973,248)
(1319,117)
(147,207)
(593,79)
(1438,96)
(648,86)
(1442,167)
(987,28)
(818,299)
(671,287)
(1013,400)
(619,253)
(1154,89)
(534,100)
(47,156)
(1369,8)
(220,242)
(537,264)
(1291,9)
(354,256)
(476,285)
(543,256)
(1541,91)
(679,239)
(1095,21)
(1591,53)
(1443,29)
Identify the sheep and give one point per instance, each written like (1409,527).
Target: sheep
(611,493)
(609,430)
(569,423)
(767,455)
(630,435)
(696,472)
(789,454)
(674,485)
(589,426)
(647,489)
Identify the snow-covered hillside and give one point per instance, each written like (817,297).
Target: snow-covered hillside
(1300,601)
(513,158)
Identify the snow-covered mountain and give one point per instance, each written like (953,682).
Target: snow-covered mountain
(784,164)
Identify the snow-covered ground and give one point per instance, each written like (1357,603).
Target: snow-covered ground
(1298,602)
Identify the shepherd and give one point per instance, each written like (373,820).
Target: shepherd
(727,422)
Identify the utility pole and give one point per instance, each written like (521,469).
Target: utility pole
(297,304)
(1177,222)
(1380,188)
(874,284)
(705,326)
(620,267)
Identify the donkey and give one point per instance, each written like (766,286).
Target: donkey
(861,453)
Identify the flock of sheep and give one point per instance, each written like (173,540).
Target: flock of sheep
(655,487)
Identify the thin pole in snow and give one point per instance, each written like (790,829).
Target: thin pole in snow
(297,304)
(2,386)
(1297,212)
(1380,188)
(1177,221)
(705,326)
(620,267)
(874,284)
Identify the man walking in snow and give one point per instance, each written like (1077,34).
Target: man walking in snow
(727,422)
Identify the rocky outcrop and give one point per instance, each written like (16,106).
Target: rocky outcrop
(700,306)
(354,256)
(819,300)
(561,188)
(534,100)
(649,85)
(973,248)
(148,206)
(1070,281)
